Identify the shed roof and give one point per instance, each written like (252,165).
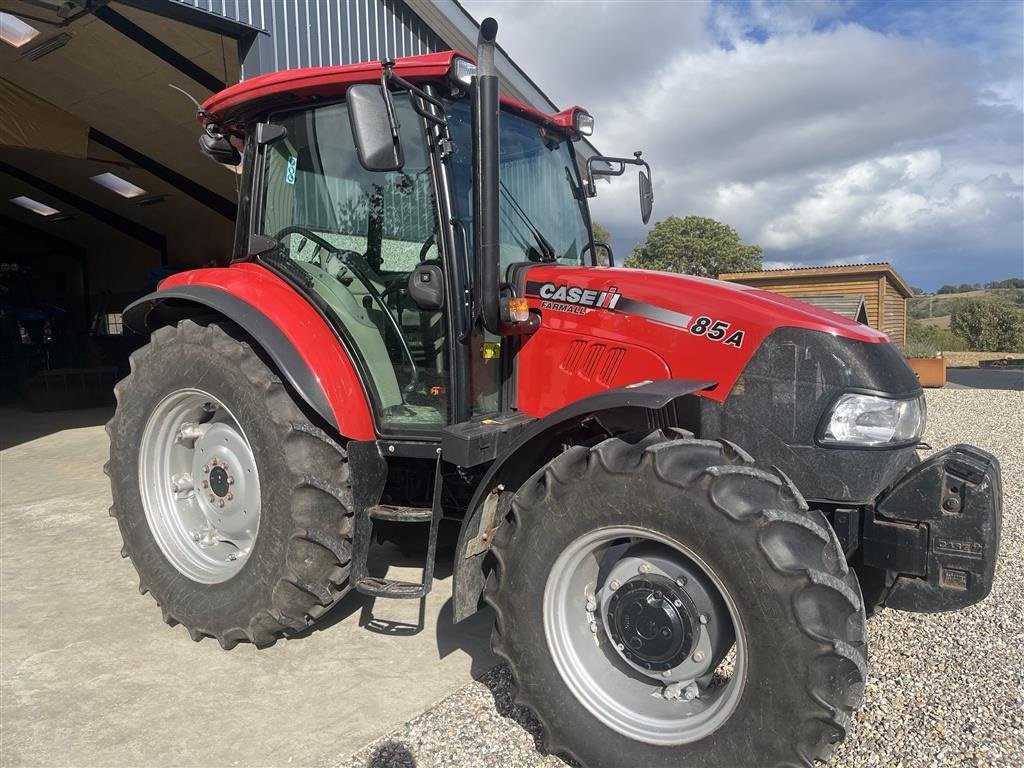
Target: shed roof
(848,305)
(835,270)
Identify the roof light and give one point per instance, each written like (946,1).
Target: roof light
(583,123)
(14,31)
(118,185)
(35,206)
(463,71)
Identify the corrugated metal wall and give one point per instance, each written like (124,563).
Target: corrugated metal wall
(314,33)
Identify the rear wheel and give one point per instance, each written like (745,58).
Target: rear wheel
(233,507)
(664,603)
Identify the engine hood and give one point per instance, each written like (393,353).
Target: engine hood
(606,327)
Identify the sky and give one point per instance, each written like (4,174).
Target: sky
(825,131)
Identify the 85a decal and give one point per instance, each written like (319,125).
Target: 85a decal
(716,330)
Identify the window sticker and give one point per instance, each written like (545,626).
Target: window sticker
(289,175)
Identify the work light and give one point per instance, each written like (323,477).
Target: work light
(869,421)
(583,123)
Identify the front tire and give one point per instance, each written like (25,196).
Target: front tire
(234,509)
(700,508)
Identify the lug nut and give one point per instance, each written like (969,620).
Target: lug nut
(698,656)
(593,627)
(210,497)
(231,480)
(703,618)
(214,461)
(644,568)
(667,673)
(591,605)
(220,502)
(677,603)
(681,581)
(232,557)
(230,496)
(206,483)
(613,585)
(206,468)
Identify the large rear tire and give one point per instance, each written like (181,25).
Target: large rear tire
(734,543)
(233,507)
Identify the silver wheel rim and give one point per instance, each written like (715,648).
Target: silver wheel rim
(624,699)
(199,485)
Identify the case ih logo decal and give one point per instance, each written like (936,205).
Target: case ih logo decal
(575,300)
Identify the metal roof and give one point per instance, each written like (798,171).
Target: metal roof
(831,270)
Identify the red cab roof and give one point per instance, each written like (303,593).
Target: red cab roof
(290,86)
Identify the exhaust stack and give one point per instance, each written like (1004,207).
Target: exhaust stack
(486,243)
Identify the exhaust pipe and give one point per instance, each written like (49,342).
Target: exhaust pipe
(486,243)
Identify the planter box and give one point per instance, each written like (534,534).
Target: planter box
(931,371)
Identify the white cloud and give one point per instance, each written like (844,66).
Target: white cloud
(813,135)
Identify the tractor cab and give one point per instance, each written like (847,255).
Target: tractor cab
(363,199)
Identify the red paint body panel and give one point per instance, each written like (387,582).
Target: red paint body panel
(549,370)
(312,338)
(236,103)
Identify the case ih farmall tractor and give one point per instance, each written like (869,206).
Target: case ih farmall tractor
(680,497)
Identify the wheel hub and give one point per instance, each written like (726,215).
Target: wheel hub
(219,481)
(652,621)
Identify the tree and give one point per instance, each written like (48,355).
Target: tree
(695,245)
(988,326)
(917,291)
(601,234)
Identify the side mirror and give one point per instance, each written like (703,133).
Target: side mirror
(426,286)
(598,166)
(374,128)
(219,149)
(646,197)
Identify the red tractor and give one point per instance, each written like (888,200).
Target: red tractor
(681,497)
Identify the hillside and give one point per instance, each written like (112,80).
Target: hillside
(935,309)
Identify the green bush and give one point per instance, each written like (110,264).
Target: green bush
(919,349)
(938,338)
(988,326)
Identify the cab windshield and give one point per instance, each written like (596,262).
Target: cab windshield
(542,209)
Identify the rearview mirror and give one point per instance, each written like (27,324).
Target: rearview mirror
(374,128)
(646,197)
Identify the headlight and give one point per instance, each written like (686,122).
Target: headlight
(869,421)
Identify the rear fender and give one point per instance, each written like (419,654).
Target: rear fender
(301,345)
(653,404)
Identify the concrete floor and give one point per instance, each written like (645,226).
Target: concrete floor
(91,676)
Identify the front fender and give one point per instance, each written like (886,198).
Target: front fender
(302,346)
(648,405)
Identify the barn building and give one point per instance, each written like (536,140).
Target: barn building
(873,294)
(103,190)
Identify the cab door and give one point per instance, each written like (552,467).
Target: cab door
(350,239)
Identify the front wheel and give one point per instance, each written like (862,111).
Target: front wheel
(662,602)
(234,509)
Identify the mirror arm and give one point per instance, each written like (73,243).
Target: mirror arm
(593,173)
(416,94)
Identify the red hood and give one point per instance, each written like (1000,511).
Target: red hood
(608,327)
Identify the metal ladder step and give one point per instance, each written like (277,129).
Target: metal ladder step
(379,587)
(396,514)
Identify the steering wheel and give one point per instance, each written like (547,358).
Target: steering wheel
(356,265)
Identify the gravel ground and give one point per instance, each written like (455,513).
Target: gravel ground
(945,690)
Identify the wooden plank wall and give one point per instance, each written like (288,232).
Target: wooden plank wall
(894,315)
(866,286)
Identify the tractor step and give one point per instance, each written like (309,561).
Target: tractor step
(392,588)
(396,514)
(369,471)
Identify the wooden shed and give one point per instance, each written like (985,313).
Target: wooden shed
(882,292)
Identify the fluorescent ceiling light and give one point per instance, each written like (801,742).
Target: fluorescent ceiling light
(14,31)
(34,205)
(118,185)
